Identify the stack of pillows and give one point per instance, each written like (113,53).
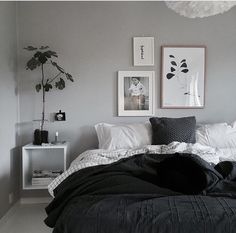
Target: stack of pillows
(162,131)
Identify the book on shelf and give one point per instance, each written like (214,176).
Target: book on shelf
(44,177)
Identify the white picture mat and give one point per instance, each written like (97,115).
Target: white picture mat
(147,58)
(121,100)
(171,96)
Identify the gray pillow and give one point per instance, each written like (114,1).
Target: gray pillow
(166,130)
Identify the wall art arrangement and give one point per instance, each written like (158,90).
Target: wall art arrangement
(136,93)
(183,77)
(143,51)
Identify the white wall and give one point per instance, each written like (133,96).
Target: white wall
(9,159)
(94,41)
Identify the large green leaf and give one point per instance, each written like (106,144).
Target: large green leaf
(38,87)
(30,48)
(32,64)
(60,84)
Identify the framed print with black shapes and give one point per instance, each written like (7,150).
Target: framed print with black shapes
(183,76)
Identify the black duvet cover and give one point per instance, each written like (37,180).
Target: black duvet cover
(147,194)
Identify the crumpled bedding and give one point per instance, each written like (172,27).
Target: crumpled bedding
(101,157)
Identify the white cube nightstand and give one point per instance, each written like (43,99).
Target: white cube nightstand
(49,157)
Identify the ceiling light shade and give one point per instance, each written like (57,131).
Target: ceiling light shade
(200,9)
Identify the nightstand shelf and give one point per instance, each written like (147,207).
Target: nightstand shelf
(49,157)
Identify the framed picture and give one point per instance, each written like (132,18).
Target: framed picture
(143,51)
(136,93)
(183,76)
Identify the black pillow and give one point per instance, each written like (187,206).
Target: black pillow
(166,130)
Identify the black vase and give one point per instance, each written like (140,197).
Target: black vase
(40,136)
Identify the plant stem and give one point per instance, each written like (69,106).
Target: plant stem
(43,111)
(51,80)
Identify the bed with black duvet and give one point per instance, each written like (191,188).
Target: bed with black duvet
(147,193)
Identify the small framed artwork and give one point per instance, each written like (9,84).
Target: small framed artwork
(143,51)
(136,93)
(183,76)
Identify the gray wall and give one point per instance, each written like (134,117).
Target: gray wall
(94,41)
(9,159)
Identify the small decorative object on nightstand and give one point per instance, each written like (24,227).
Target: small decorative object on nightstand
(60,116)
(57,142)
(42,164)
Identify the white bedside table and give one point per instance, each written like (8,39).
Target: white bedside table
(50,157)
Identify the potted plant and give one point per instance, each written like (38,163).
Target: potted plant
(43,56)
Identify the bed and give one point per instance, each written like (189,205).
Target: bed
(178,187)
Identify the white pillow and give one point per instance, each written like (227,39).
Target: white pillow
(123,136)
(221,135)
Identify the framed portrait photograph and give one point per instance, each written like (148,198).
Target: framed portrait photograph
(143,51)
(136,93)
(183,76)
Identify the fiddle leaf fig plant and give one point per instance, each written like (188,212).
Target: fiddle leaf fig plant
(41,57)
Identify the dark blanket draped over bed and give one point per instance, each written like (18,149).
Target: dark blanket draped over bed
(147,193)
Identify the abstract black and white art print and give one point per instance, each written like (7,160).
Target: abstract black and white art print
(183,77)
(135,93)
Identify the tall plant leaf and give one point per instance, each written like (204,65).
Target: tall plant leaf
(30,48)
(69,77)
(58,67)
(38,87)
(47,87)
(32,64)
(41,56)
(44,47)
(38,54)
(50,54)
(60,84)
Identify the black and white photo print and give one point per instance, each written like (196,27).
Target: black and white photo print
(135,93)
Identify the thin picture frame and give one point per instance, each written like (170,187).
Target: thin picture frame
(130,101)
(183,76)
(143,51)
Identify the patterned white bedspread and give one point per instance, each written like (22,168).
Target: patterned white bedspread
(101,157)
